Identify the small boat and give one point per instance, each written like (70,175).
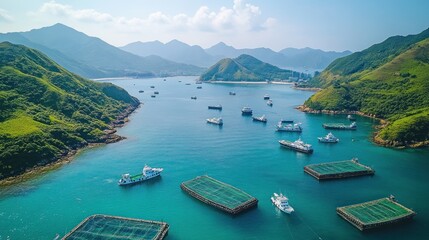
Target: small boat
(330,138)
(217,107)
(165,79)
(199,87)
(282,203)
(152,95)
(270,102)
(156,92)
(152,86)
(180,81)
(187,84)
(146,174)
(140,91)
(351,118)
(246,111)
(194,97)
(298,145)
(216,121)
(260,119)
(285,121)
(340,126)
(199,82)
(266,97)
(288,127)
(231,93)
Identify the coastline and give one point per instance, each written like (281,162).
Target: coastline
(109,137)
(376,135)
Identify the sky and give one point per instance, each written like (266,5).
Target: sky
(330,25)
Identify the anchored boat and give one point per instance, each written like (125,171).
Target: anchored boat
(281,202)
(217,107)
(340,126)
(330,138)
(246,111)
(298,145)
(351,118)
(270,103)
(147,173)
(288,127)
(260,119)
(216,121)
(266,97)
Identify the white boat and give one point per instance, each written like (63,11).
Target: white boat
(260,119)
(146,174)
(246,111)
(266,97)
(298,145)
(281,202)
(270,103)
(288,127)
(217,121)
(330,138)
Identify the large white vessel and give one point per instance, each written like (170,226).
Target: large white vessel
(288,127)
(217,121)
(147,173)
(298,145)
(330,138)
(281,202)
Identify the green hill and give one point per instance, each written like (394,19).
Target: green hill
(245,68)
(393,84)
(46,111)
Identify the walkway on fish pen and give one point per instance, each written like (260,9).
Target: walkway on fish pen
(374,214)
(218,194)
(113,227)
(335,170)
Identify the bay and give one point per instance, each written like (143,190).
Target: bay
(170,131)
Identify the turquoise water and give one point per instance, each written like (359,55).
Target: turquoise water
(170,131)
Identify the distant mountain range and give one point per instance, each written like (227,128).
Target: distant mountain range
(91,57)
(389,80)
(245,68)
(196,55)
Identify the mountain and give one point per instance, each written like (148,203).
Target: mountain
(312,58)
(221,50)
(92,57)
(47,112)
(174,50)
(245,68)
(389,80)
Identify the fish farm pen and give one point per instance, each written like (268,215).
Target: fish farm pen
(112,227)
(335,170)
(375,213)
(218,194)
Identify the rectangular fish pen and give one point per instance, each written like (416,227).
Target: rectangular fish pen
(335,170)
(218,194)
(113,227)
(374,214)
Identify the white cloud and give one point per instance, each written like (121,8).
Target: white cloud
(4,16)
(241,17)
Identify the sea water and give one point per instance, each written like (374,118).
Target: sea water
(170,131)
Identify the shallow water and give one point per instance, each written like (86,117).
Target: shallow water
(170,131)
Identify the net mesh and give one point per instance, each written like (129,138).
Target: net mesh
(376,211)
(337,167)
(104,227)
(217,191)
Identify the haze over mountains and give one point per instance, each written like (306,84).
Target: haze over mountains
(196,55)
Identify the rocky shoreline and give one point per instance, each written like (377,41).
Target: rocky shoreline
(376,136)
(109,137)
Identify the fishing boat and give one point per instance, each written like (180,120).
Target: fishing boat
(266,97)
(288,127)
(152,86)
(152,96)
(146,174)
(156,92)
(216,107)
(199,87)
(140,91)
(298,145)
(340,126)
(260,119)
(216,121)
(330,138)
(270,102)
(246,111)
(282,203)
(187,84)
(194,97)
(231,93)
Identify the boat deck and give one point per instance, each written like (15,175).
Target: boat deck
(375,213)
(219,194)
(335,170)
(113,227)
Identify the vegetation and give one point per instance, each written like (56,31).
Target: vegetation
(392,84)
(246,68)
(46,111)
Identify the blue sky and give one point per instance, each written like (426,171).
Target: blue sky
(329,25)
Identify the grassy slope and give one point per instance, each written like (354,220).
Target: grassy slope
(46,111)
(396,91)
(245,68)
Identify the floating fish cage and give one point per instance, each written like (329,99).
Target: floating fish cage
(374,214)
(335,170)
(218,194)
(113,227)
